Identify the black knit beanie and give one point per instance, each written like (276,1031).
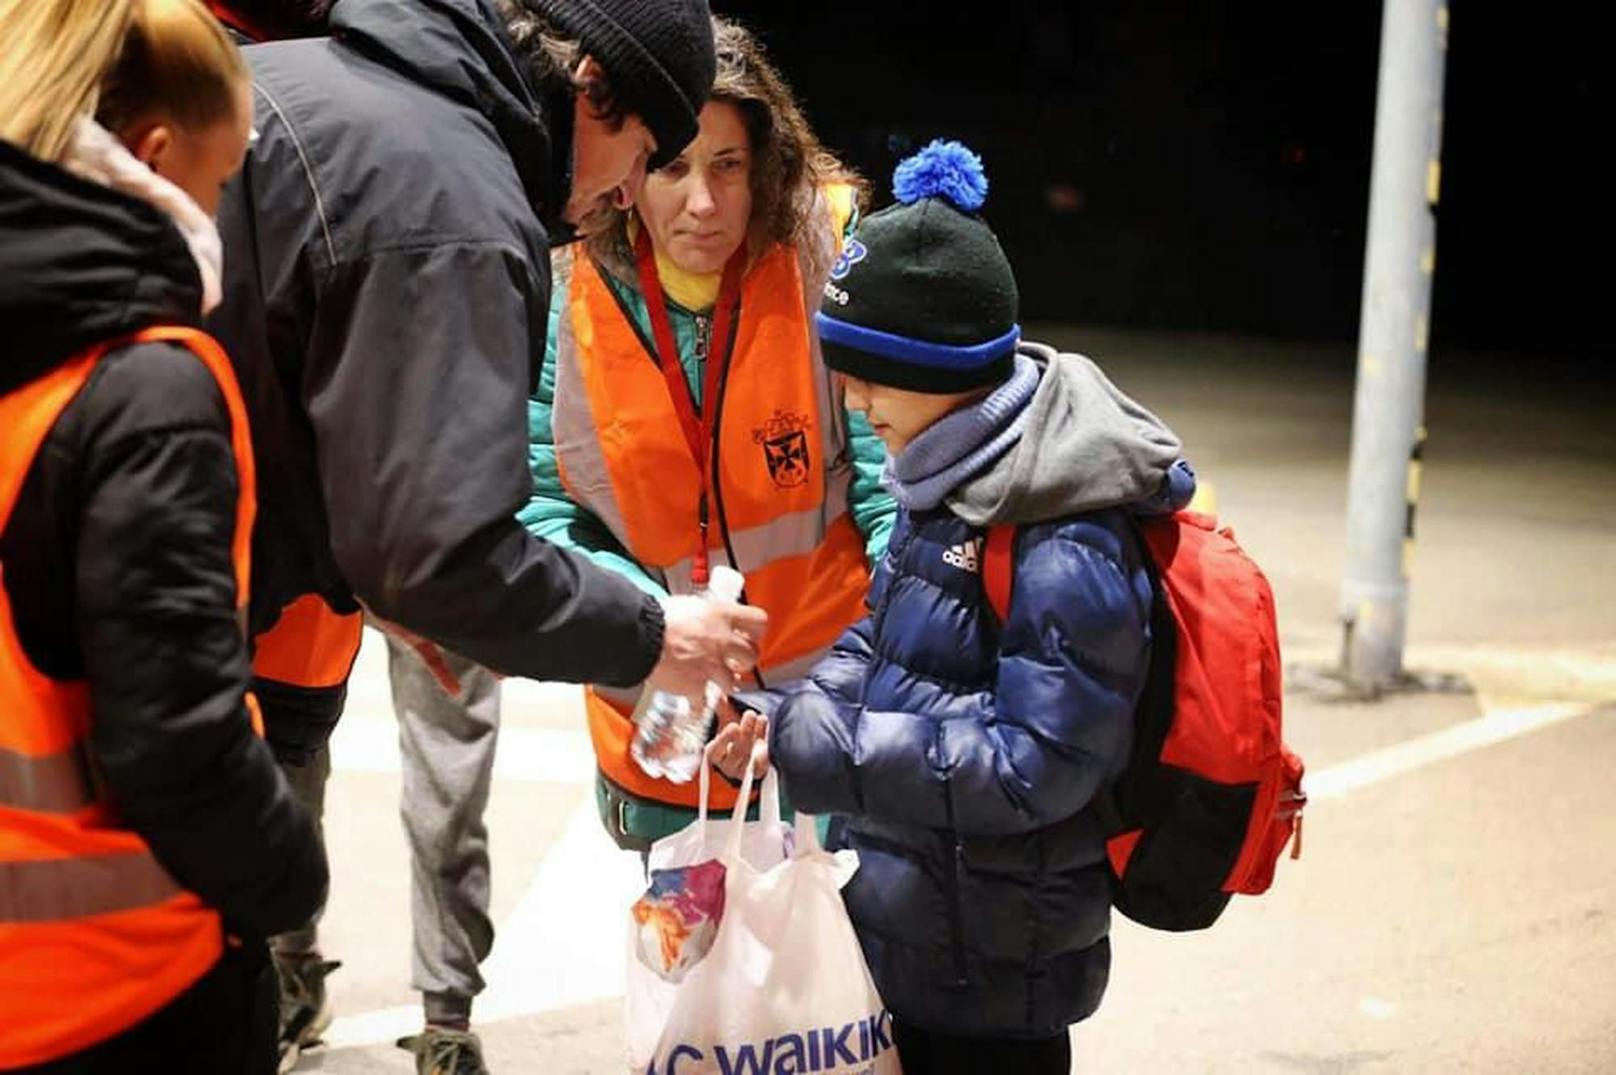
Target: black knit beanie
(922,297)
(658,56)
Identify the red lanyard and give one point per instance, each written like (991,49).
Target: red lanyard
(227,14)
(697,427)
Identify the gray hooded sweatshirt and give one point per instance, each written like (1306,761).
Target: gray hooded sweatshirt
(1082,446)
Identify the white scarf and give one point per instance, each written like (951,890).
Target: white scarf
(95,154)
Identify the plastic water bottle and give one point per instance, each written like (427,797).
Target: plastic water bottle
(670,736)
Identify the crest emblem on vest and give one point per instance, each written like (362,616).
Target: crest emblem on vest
(784,439)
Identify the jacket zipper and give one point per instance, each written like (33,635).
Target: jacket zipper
(954,879)
(704,330)
(894,553)
(703,353)
(956,908)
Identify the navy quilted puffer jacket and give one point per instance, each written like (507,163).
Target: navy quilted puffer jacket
(961,759)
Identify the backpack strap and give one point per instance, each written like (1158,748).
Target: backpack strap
(997,560)
(1138,796)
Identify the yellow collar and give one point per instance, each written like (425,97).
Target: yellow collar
(696,292)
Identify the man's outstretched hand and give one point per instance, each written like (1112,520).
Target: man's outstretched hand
(706,641)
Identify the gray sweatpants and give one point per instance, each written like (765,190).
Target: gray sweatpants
(447,748)
(308,785)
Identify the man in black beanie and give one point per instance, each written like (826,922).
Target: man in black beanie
(387,288)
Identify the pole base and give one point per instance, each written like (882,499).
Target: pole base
(1331,683)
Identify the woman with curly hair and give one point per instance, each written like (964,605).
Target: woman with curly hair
(685,418)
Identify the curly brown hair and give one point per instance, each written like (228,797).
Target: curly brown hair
(789,165)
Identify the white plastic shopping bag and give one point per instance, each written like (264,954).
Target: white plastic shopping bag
(672,927)
(784,987)
(764,842)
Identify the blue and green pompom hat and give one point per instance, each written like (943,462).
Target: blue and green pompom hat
(922,297)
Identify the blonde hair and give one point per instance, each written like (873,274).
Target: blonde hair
(119,61)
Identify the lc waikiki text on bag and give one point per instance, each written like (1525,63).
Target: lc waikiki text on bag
(783,986)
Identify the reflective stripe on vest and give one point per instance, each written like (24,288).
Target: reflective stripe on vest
(53,890)
(95,935)
(56,783)
(781,467)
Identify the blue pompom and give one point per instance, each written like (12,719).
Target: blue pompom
(945,170)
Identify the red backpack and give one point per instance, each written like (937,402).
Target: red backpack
(1211,795)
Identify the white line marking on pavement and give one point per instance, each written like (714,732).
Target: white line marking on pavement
(1377,1008)
(562,945)
(372,1028)
(370,745)
(1484,731)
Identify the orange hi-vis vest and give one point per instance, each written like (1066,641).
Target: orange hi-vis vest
(311,646)
(94,934)
(778,468)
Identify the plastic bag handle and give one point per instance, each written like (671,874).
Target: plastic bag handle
(807,833)
(768,800)
(732,849)
(706,787)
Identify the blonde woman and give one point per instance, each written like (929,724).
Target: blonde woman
(147,841)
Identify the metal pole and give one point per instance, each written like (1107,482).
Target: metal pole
(1388,413)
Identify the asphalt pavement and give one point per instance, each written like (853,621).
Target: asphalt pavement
(1454,909)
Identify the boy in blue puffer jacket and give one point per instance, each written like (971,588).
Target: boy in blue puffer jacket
(961,756)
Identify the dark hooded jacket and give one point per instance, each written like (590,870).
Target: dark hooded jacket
(387,285)
(117,556)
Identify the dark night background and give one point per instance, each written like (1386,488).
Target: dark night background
(1204,164)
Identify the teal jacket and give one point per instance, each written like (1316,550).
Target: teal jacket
(552,515)
(634,823)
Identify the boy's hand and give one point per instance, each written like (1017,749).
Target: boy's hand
(740,737)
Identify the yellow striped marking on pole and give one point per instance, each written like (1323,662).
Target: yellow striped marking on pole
(1416,463)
